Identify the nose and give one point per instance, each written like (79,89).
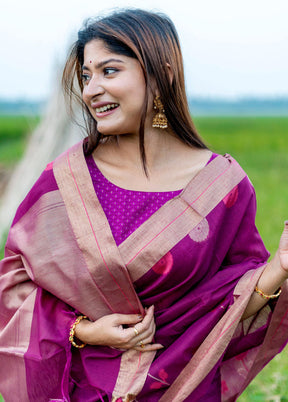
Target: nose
(93,88)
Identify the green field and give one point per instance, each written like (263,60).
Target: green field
(14,132)
(260,145)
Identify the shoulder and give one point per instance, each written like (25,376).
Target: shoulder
(226,162)
(225,157)
(233,172)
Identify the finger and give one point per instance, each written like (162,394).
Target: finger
(147,334)
(142,330)
(283,246)
(133,335)
(146,329)
(150,312)
(147,321)
(149,347)
(127,319)
(146,337)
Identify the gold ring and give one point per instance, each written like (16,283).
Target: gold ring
(136,331)
(142,345)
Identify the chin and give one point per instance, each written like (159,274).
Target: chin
(109,130)
(106,131)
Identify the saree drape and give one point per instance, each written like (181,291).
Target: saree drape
(197,259)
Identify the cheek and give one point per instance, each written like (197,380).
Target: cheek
(137,96)
(86,102)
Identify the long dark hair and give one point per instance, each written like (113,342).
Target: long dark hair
(152,39)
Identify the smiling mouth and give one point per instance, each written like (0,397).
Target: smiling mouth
(106,108)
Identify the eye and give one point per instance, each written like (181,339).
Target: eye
(110,70)
(85,78)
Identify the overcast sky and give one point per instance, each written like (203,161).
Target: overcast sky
(231,48)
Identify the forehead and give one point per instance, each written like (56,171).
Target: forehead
(96,55)
(98,49)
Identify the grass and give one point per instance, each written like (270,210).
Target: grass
(271,384)
(14,132)
(260,145)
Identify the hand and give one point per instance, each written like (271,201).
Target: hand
(117,331)
(283,248)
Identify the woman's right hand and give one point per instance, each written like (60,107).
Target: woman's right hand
(120,331)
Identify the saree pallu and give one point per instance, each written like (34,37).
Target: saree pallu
(197,260)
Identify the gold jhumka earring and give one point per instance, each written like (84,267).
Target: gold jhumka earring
(160,119)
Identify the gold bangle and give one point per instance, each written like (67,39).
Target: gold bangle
(72,332)
(268,297)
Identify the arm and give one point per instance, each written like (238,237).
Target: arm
(275,273)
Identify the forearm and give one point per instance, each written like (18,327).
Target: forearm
(82,332)
(269,282)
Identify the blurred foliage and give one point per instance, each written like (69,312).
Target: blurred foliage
(260,145)
(14,132)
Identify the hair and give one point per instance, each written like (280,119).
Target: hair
(152,39)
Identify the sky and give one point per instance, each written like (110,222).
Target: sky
(231,49)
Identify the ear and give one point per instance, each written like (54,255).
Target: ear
(153,87)
(171,76)
(170,72)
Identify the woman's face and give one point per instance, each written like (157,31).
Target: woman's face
(113,89)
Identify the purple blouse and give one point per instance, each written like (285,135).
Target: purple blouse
(125,209)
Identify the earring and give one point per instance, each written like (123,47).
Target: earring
(160,119)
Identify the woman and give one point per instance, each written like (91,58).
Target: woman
(133,268)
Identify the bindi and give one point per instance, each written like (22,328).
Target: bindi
(90,61)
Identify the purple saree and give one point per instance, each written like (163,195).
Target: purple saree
(197,259)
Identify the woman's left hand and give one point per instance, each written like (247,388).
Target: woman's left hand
(273,276)
(283,248)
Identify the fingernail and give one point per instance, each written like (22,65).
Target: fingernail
(286,222)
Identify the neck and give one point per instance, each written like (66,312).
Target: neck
(170,163)
(160,147)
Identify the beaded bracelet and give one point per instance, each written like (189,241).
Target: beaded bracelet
(268,297)
(72,332)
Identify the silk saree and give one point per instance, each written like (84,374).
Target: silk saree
(197,259)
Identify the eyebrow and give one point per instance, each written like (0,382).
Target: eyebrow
(103,63)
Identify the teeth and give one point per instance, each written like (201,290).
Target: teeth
(106,107)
